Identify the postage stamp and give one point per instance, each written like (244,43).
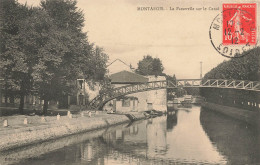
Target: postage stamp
(233,33)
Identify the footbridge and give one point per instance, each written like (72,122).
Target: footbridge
(99,101)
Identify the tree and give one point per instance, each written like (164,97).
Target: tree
(44,57)
(90,60)
(34,55)
(150,66)
(17,80)
(243,68)
(170,78)
(65,13)
(82,60)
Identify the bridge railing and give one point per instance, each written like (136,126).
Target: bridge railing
(188,82)
(221,83)
(128,89)
(237,84)
(134,88)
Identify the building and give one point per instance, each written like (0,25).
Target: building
(147,100)
(126,103)
(118,66)
(157,99)
(124,78)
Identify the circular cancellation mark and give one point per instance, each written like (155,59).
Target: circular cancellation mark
(233,33)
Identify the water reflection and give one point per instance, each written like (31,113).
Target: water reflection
(185,136)
(171,120)
(237,140)
(189,143)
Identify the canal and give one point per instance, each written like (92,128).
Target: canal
(186,136)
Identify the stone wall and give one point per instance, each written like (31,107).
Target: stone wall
(12,138)
(158,98)
(250,117)
(244,99)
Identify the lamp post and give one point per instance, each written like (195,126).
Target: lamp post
(200,69)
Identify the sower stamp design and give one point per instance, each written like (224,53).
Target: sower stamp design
(234,31)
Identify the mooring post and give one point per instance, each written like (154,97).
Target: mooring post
(58,116)
(5,123)
(25,121)
(43,119)
(68,113)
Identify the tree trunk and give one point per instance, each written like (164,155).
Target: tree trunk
(6,99)
(12,99)
(45,106)
(21,106)
(5,91)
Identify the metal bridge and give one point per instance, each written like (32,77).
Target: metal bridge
(99,101)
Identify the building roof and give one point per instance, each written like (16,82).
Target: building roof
(119,65)
(126,77)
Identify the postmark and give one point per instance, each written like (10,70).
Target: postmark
(233,33)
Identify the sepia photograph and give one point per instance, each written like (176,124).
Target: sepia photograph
(129,82)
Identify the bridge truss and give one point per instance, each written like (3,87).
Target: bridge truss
(99,101)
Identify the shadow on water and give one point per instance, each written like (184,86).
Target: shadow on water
(238,141)
(172,120)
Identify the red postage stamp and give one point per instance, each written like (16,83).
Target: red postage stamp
(239,24)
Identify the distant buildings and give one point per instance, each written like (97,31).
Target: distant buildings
(142,101)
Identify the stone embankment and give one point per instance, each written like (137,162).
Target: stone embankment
(40,129)
(251,117)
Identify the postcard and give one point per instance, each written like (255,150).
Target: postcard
(130,82)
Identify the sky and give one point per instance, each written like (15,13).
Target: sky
(180,38)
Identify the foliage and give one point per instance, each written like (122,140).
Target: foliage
(193,91)
(81,60)
(180,92)
(47,51)
(13,63)
(243,68)
(153,66)
(65,13)
(150,66)
(170,78)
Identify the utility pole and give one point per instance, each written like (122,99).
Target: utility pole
(200,69)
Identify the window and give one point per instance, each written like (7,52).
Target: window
(126,103)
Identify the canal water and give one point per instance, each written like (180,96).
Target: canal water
(186,136)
